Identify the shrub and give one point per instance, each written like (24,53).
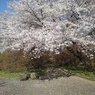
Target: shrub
(13,61)
(74,55)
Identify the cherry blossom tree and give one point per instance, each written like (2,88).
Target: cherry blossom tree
(39,26)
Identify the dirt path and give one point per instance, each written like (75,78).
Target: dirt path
(62,86)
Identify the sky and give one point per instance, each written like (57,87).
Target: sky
(3,6)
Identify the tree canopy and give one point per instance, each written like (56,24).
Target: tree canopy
(39,26)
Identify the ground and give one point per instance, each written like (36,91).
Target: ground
(62,86)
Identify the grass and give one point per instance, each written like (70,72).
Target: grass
(81,72)
(86,75)
(41,72)
(78,71)
(8,75)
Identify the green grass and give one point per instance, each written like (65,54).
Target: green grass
(86,75)
(81,72)
(41,72)
(8,75)
(77,71)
